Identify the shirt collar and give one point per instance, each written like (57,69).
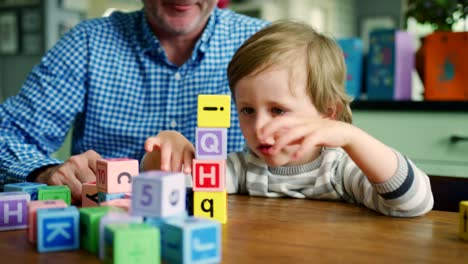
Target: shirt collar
(151,43)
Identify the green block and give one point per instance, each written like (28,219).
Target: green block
(89,226)
(55,192)
(132,243)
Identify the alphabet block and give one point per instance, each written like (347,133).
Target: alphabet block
(214,110)
(124,204)
(89,224)
(189,200)
(115,175)
(208,175)
(89,194)
(211,143)
(57,192)
(58,229)
(113,218)
(191,240)
(29,187)
(463,212)
(158,194)
(132,243)
(33,206)
(105,197)
(13,212)
(210,205)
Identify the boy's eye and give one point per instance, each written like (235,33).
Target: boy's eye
(278,111)
(247,110)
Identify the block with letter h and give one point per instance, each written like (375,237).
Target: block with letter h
(209,165)
(58,229)
(13,210)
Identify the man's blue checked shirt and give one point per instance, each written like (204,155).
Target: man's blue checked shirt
(111,81)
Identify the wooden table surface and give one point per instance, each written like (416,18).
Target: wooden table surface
(271,230)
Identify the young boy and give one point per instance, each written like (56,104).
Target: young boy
(287,82)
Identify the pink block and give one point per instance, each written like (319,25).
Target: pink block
(115,175)
(32,213)
(89,194)
(121,203)
(209,175)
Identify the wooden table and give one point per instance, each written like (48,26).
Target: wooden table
(270,230)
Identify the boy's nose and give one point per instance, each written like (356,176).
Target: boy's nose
(260,122)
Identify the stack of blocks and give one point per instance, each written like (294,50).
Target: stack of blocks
(153,223)
(209,165)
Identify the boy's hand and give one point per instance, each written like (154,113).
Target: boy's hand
(168,151)
(307,132)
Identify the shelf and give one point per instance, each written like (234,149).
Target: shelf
(414,106)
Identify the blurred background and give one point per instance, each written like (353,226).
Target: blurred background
(28,28)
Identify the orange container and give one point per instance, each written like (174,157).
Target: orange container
(446,66)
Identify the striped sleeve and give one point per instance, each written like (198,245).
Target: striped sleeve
(406,194)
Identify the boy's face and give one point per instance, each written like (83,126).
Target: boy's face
(268,95)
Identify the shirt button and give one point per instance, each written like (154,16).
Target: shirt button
(173,124)
(177,76)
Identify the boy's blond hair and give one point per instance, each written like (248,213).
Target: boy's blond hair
(288,44)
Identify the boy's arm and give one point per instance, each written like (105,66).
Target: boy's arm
(406,193)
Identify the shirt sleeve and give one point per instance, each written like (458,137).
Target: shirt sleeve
(34,123)
(406,194)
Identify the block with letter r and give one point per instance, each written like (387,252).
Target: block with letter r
(208,175)
(29,187)
(158,194)
(13,210)
(191,240)
(210,143)
(115,175)
(58,229)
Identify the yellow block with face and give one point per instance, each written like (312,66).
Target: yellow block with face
(463,220)
(214,110)
(211,205)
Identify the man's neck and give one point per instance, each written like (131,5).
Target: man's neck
(179,48)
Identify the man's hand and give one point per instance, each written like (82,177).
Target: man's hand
(73,172)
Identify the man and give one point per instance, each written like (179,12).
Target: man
(117,81)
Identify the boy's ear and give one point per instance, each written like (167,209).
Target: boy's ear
(333,111)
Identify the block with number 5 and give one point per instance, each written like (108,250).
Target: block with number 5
(158,194)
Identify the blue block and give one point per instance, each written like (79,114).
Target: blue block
(354,56)
(104,197)
(29,187)
(191,240)
(58,229)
